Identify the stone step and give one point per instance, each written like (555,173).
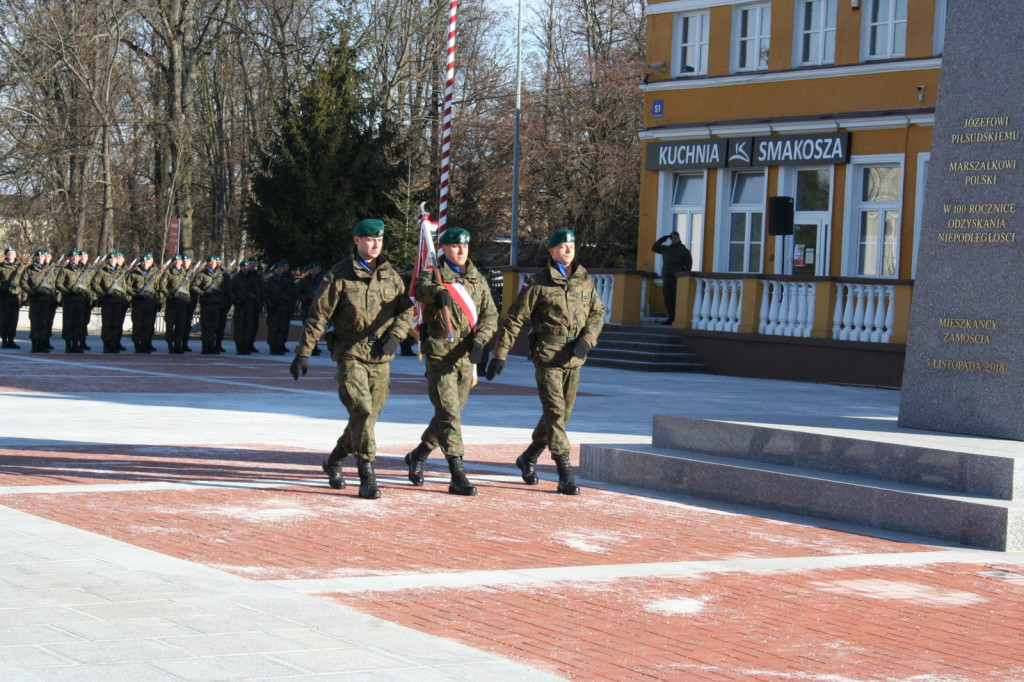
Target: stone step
(623,362)
(967,520)
(641,344)
(971,473)
(644,349)
(677,355)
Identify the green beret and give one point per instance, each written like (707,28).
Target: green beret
(148,254)
(212,258)
(186,256)
(177,256)
(561,237)
(40,252)
(311,266)
(112,254)
(371,227)
(454,235)
(9,249)
(245,261)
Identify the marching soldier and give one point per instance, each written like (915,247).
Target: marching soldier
(208,289)
(247,296)
(567,317)
(464,293)
(280,303)
(10,297)
(174,291)
(109,287)
(364,298)
(145,300)
(73,283)
(37,283)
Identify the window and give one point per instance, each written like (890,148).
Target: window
(816,32)
(886,29)
(753,26)
(878,218)
(691,57)
(746,221)
(688,213)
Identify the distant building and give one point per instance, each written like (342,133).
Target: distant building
(828,102)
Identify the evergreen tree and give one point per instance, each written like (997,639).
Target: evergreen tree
(329,169)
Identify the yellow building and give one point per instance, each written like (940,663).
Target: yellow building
(807,116)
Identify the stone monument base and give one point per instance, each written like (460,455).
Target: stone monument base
(955,489)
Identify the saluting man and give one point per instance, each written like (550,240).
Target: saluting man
(567,317)
(451,365)
(364,298)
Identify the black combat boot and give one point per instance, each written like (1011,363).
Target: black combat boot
(460,485)
(367,481)
(415,461)
(76,347)
(566,483)
(332,467)
(527,463)
(69,346)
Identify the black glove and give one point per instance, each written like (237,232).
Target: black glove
(476,352)
(389,344)
(664,239)
(299,364)
(581,348)
(494,368)
(442,299)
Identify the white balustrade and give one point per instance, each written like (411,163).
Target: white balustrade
(605,286)
(717,305)
(787,309)
(864,312)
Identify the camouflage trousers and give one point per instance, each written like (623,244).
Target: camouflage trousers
(363,387)
(557,387)
(75,320)
(10,309)
(40,316)
(448,386)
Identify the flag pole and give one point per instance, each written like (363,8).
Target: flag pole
(446,134)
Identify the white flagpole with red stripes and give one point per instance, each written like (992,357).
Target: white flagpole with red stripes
(446,133)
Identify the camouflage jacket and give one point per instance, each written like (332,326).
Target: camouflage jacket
(37,282)
(561,310)
(71,275)
(137,280)
(279,292)
(9,278)
(107,283)
(247,290)
(211,287)
(172,285)
(434,336)
(363,307)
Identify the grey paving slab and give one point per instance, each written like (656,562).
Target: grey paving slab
(116,651)
(37,615)
(131,628)
(226,668)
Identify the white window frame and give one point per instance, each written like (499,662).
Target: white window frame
(738,39)
(891,22)
(692,237)
(701,45)
(822,30)
(723,236)
(787,187)
(939,39)
(854,208)
(924,162)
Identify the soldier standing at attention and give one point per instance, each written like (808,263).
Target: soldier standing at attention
(675,257)
(305,289)
(464,292)
(109,287)
(145,300)
(364,298)
(247,296)
(10,297)
(222,317)
(76,301)
(42,296)
(280,289)
(193,303)
(208,289)
(173,288)
(567,317)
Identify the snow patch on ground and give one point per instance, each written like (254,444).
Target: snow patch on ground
(676,607)
(912,593)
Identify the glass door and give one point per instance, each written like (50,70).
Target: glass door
(810,247)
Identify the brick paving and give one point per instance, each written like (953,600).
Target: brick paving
(615,584)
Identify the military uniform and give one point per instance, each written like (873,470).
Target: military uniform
(111,291)
(174,291)
(675,257)
(305,289)
(208,288)
(567,316)
(247,297)
(280,296)
(73,285)
(37,281)
(371,314)
(451,364)
(143,284)
(10,297)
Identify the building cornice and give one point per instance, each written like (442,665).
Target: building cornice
(688,5)
(750,78)
(725,129)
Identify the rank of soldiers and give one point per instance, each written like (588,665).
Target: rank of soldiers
(364,309)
